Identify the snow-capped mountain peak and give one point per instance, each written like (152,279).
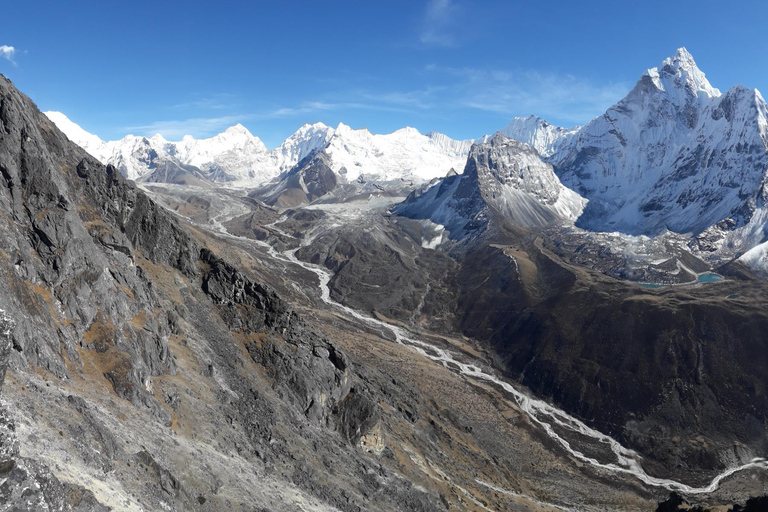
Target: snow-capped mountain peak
(356,161)
(675,154)
(538,133)
(344,130)
(88,141)
(502,175)
(233,137)
(405,154)
(308,139)
(680,74)
(158,139)
(234,155)
(312,128)
(407,131)
(238,129)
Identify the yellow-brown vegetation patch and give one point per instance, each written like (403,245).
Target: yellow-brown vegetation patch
(163,276)
(101,358)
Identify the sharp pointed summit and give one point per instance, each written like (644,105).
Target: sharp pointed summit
(680,73)
(670,156)
(238,129)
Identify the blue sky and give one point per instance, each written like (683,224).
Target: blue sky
(464,68)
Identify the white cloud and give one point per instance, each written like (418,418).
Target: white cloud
(309,107)
(218,101)
(419,99)
(441,27)
(561,98)
(208,126)
(7,52)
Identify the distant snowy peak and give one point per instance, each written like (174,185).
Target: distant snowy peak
(355,161)
(135,157)
(539,134)
(228,156)
(307,140)
(404,154)
(234,156)
(238,157)
(449,145)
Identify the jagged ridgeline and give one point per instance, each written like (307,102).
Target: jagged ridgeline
(105,296)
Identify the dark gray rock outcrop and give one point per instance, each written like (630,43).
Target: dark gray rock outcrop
(306,367)
(28,485)
(309,179)
(100,278)
(503,178)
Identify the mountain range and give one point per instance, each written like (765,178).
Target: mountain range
(238,158)
(675,155)
(539,318)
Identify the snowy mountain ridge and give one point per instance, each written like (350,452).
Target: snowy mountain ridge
(545,138)
(239,158)
(676,154)
(404,154)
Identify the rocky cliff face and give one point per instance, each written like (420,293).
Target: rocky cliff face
(101,281)
(310,179)
(28,484)
(503,177)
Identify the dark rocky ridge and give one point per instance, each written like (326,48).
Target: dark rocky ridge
(122,225)
(101,280)
(309,179)
(678,375)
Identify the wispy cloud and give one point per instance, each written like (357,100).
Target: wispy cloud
(309,107)
(561,97)
(198,127)
(8,53)
(441,23)
(219,101)
(420,98)
(208,126)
